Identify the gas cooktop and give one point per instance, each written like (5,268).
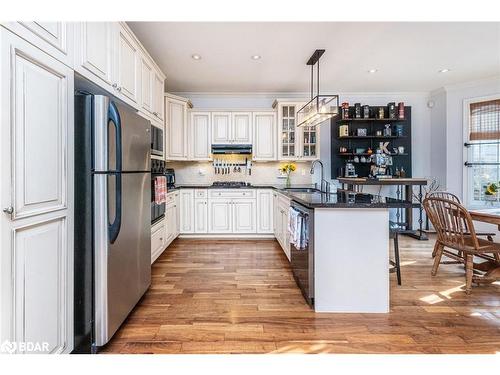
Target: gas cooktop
(231,184)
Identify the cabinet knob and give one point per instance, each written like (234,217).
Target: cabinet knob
(114,85)
(119,89)
(9,210)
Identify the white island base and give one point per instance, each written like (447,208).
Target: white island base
(351,260)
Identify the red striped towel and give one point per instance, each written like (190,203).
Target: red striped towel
(160,189)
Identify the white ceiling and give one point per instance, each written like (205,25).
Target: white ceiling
(408,56)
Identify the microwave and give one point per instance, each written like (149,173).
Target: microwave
(156,141)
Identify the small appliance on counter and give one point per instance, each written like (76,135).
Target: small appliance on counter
(350,170)
(170,174)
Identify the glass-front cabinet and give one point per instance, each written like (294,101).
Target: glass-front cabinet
(295,143)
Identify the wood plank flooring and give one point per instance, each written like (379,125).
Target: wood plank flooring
(229,296)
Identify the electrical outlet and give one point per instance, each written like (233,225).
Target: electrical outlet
(302,172)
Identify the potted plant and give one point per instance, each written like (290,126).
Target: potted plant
(287,169)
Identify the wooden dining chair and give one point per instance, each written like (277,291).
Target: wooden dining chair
(454,198)
(455,230)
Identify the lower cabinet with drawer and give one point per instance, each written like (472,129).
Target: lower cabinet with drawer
(226,211)
(158,239)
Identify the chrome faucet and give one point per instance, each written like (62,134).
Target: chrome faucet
(323,181)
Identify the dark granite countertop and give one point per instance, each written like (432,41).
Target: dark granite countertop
(317,199)
(346,199)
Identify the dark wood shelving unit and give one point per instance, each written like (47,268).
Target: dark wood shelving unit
(371,140)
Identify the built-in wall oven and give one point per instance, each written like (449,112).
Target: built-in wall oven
(158,169)
(156,141)
(302,258)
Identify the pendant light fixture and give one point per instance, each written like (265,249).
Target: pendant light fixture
(321,107)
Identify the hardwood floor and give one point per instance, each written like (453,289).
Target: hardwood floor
(240,297)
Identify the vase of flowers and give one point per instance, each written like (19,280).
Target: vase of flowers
(287,169)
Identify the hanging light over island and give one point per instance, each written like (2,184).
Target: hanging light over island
(321,107)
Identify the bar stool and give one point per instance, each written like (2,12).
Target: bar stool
(394,230)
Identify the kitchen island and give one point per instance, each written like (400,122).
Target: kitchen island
(348,251)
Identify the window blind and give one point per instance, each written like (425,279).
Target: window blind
(485,120)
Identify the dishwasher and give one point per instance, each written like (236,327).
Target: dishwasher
(302,260)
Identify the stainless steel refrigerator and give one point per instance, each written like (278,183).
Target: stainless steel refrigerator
(112,216)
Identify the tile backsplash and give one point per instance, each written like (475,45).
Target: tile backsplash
(262,172)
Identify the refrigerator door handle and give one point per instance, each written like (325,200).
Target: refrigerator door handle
(114,118)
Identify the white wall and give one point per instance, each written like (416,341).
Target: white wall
(438,137)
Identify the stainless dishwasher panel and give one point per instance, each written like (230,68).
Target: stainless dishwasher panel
(302,261)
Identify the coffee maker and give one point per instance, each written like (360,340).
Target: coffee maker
(381,165)
(350,171)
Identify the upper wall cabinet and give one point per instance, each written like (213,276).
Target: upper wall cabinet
(94,55)
(176,128)
(199,136)
(128,65)
(54,38)
(109,55)
(264,144)
(232,127)
(294,143)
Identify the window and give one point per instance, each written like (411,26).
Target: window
(483,152)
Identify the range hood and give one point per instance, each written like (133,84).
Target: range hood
(218,149)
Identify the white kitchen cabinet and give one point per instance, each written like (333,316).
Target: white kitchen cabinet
(54,38)
(220,216)
(158,96)
(147,75)
(265,211)
(232,127)
(128,65)
(299,144)
(221,127)
(201,215)
(241,127)
(176,129)
(36,164)
(244,215)
(170,222)
(264,143)
(187,212)
(158,239)
(95,52)
(199,136)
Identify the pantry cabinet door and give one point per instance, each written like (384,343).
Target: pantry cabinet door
(244,216)
(36,165)
(176,129)
(200,216)
(264,142)
(187,211)
(200,135)
(127,69)
(95,54)
(221,127)
(265,211)
(241,127)
(219,216)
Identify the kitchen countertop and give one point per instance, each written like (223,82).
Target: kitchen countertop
(317,199)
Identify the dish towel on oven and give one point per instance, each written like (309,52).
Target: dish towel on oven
(160,189)
(297,229)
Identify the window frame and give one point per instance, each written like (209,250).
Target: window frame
(466,180)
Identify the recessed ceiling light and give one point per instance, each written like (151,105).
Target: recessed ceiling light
(256,57)
(373,71)
(445,70)
(196,56)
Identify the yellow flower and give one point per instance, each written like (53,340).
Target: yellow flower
(288,167)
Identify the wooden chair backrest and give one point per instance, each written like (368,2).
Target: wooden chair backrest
(444,195)
(452,222)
